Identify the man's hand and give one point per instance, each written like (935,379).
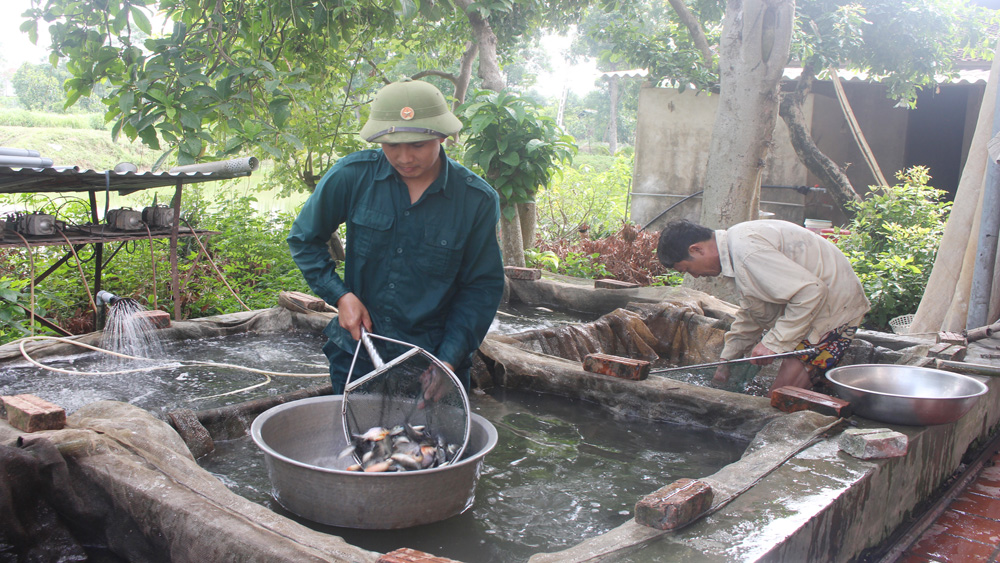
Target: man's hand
(353,314)
(434,383)
(721,377)
(761,350)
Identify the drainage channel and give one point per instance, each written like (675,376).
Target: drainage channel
(908,535)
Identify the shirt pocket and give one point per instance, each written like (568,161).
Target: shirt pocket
(371,231)
(441,251)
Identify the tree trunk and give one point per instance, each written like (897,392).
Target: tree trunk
(527,214)
(826,170)
(614,90)
(465,72)
(489,66)
(754,49)
(511,244)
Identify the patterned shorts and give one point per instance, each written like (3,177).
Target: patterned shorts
(828,352)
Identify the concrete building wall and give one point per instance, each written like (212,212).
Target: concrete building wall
(672,143)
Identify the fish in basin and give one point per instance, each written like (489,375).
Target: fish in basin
(401,448)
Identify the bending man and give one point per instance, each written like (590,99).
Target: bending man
(795,288)
(423,264)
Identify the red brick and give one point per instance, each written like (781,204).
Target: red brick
(614,284)
(617,366)
(31,414)
(878,443)
(947,351)
(675,505)
(304,300)
(970,527)
(794,399)
(159,319)
(515,273)
(947,548)
(951,338)
(407,555)
(971,503)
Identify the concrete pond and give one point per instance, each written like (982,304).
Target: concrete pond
(123,483)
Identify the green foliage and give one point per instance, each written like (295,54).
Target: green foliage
(39,87)
(14,299)
(585,197)
(574,264)
(893,241)
(23,118)
(904,44)
(512,145)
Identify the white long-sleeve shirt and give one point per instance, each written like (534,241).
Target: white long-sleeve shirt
(791,282)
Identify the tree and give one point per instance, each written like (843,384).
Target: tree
(517,150)
(287,77)
(39,87)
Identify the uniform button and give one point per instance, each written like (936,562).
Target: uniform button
(387,319)
(406,213)
(468,180)
(444,243)
(392,286)
(399,251)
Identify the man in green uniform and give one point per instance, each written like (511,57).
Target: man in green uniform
(423,264)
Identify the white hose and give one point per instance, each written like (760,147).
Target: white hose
(171,365)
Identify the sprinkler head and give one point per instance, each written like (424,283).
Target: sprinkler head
(107,298)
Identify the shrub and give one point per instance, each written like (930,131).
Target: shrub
(893,241)
(628,255)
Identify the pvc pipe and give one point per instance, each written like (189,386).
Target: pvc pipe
(8,151)
(25,161)
(989,228)
(234,166)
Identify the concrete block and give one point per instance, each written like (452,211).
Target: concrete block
(675,505)
(873,443)
(614,284)
(951,338)
(617,366)
(794,399)
(29,413)
(515,273)
(407,555)
(159,319)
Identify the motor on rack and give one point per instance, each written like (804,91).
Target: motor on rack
(34,224)
(124,219)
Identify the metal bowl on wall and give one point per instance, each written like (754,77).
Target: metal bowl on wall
(910,395)
(302,440)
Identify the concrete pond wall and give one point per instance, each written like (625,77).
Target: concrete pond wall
(129,482)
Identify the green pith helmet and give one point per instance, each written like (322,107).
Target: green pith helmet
(409,111)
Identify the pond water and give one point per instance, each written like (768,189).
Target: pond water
(562,471)
(180,384)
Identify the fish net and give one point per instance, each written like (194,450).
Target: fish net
(413,390)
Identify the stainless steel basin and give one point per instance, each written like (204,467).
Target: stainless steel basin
(302,440)
(911,395)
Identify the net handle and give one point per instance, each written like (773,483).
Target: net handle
(367,341)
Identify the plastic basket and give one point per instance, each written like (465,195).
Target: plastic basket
(901,324)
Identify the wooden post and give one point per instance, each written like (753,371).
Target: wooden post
(174,230)
(98,255)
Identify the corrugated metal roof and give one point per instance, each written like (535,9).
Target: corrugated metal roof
(61,179)
(965,76)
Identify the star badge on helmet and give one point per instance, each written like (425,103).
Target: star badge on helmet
(406,113)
